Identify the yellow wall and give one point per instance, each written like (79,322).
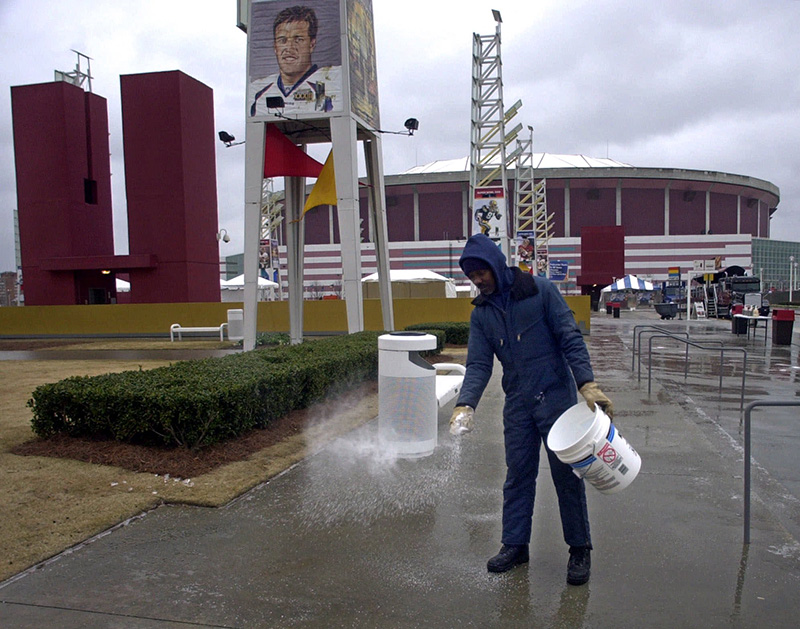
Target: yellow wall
(154,319)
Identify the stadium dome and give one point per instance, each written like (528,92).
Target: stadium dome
(670,217)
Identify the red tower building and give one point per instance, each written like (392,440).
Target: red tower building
(171,186)
(64,192)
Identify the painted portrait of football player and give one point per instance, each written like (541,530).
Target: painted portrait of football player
(300,85)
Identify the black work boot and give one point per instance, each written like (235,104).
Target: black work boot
(580,565)
(507,558)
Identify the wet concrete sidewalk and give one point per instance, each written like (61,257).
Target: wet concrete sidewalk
(350,539)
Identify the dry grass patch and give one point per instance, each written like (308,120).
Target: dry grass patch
(60,492)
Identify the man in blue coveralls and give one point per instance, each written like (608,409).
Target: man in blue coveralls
(524,321)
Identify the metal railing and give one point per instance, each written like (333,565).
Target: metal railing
(721,349)
(638,330)
(747,449)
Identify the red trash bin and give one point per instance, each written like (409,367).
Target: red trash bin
(782,325)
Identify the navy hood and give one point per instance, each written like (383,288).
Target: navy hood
(482,248)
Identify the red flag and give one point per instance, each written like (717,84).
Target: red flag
(282,158)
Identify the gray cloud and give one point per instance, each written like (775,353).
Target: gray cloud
(707,85)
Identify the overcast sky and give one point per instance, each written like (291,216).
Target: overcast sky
(708,85)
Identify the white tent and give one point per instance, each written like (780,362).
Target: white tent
(238,282)
(233,289)
(421,276)
(629,283)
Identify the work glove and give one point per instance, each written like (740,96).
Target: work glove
(593,395)
(461,420)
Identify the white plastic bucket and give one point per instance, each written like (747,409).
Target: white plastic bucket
(589,442)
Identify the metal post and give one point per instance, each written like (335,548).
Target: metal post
(377,208)
(295,238)
(345,161)
(747,450)
(255,134)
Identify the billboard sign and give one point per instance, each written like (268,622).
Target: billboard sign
(294,61)
(559,270)
(363,70)
(489,210)
(297,57)
(526,250)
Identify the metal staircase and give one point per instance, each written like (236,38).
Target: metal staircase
(710,298)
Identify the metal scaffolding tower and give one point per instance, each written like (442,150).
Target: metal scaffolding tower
(533,223)
(489,139)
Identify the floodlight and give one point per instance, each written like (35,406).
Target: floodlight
(412,124)
(227,139)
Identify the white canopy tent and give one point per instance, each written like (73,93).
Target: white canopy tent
(416,277)
(233,289)
(238,282)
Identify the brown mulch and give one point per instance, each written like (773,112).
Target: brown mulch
(177,462)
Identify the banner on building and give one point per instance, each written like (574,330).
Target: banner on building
(559,270)
(489,212)
(526,253)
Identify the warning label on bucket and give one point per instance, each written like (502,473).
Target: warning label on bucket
(605,471)
(607,454)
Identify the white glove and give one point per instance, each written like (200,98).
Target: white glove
(461,420)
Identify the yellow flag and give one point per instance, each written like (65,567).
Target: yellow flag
(324,191)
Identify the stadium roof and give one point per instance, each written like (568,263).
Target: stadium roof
(540,160)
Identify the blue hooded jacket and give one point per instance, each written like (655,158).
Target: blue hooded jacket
(527,324)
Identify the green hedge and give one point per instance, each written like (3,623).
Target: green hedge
(201,402)
(455,332)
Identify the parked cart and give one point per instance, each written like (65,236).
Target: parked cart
(667,311)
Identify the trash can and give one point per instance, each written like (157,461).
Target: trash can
(782,324)
(407,408)
(609,307)
(616,306)
(738,325)
(236,324)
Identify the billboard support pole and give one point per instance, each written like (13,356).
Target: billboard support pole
(343,138)
(255,133)
(377,208)
(295,237)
